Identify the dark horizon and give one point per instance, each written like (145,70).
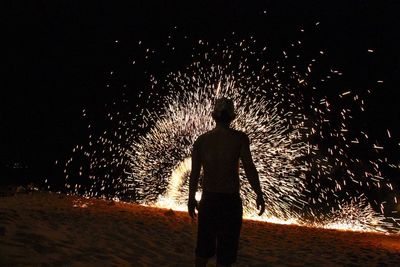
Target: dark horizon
(59,56)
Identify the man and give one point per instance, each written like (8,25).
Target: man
(220,209)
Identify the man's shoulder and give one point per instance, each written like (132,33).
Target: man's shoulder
(240,134)
(206,135)
(200,138)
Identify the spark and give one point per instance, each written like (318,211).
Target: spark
(345,93)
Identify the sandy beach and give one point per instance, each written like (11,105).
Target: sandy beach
(48,229)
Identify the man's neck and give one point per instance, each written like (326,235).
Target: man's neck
(222,125)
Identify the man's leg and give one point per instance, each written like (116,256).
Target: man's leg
(206,233)
(228,234)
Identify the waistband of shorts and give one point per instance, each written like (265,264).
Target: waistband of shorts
(218,195)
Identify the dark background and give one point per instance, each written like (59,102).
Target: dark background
(58,56)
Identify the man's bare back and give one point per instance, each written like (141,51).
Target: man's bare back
(219,151)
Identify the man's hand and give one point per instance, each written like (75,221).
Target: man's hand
(192,206)
(260,204)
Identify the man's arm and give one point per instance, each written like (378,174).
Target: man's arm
(249,167)
(251,173)
(194,178)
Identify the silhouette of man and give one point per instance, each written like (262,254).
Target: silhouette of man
(220,209)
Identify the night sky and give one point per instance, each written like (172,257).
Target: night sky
(57,56)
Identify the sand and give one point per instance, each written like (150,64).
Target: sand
(48,229)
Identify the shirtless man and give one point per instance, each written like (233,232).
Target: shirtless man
(220,209)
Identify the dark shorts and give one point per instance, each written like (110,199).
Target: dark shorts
(219,224)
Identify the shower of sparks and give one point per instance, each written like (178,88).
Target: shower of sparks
(161,158)
(301,143)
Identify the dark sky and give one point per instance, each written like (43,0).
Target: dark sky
(57,56)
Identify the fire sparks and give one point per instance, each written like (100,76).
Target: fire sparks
(302,143)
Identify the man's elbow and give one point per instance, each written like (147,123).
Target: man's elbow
(250,169)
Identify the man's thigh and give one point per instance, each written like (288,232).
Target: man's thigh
(206,230)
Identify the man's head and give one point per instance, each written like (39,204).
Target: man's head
(224,111)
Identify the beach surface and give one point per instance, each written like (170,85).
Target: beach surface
(49,229)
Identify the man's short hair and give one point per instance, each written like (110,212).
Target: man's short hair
(224,110)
